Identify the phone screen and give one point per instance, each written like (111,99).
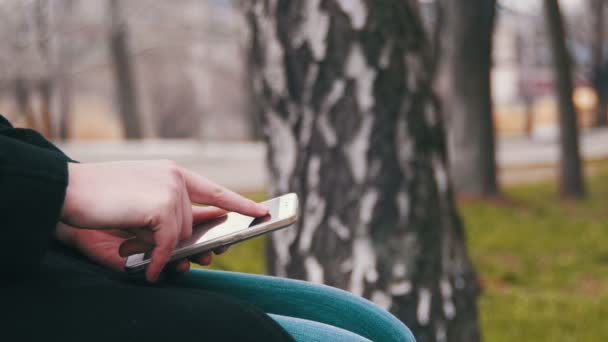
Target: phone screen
(226,225)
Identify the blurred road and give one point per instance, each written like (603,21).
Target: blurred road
(518,151)
(524,160)
(241,165)
(237,165)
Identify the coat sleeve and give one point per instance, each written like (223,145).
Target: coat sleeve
(33,181)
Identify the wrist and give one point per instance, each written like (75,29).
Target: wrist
(69,200)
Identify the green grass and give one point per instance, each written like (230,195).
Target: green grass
(247,256)
(543,263)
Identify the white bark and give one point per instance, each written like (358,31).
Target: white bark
(356,133)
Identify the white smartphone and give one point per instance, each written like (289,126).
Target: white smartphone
(227,230)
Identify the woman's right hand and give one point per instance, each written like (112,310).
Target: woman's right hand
(151,199)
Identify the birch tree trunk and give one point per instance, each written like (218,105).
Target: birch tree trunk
(123,72)
(571,178)
(352,126)
(597,60)
(467,96)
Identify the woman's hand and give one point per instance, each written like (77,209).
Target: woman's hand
(102,246)
(150,200)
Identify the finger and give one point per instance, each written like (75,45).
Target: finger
(181,265)
(220,250)
(175,268)
(165,237)
(202,190)
(204,259)
(200,214)
(186,214)
(134,246)
(177,213)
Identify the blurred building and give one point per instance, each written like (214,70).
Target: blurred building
(522,77)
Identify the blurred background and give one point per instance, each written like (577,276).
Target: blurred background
(143,79)
(187,72)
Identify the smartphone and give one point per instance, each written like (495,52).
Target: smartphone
(227,230)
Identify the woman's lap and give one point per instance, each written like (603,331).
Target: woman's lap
(298,299)
(75,299)
(70,299)
(134,314)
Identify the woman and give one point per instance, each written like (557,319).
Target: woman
(67,228)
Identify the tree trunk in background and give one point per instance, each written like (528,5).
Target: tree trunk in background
(41,10)
(62,90)
(597,61)
(255,109)
(352,127)
(433,20)
(571,179)
(123,72)
(437,35)
(526,95)
(467,95)
(21,79)
(23,101)
(528,115)
(44,89)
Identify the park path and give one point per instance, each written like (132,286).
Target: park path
(237,165)
(524,160)
(241,165)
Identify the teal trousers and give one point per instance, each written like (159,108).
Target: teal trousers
(308,312)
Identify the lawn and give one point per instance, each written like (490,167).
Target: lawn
(543,263)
